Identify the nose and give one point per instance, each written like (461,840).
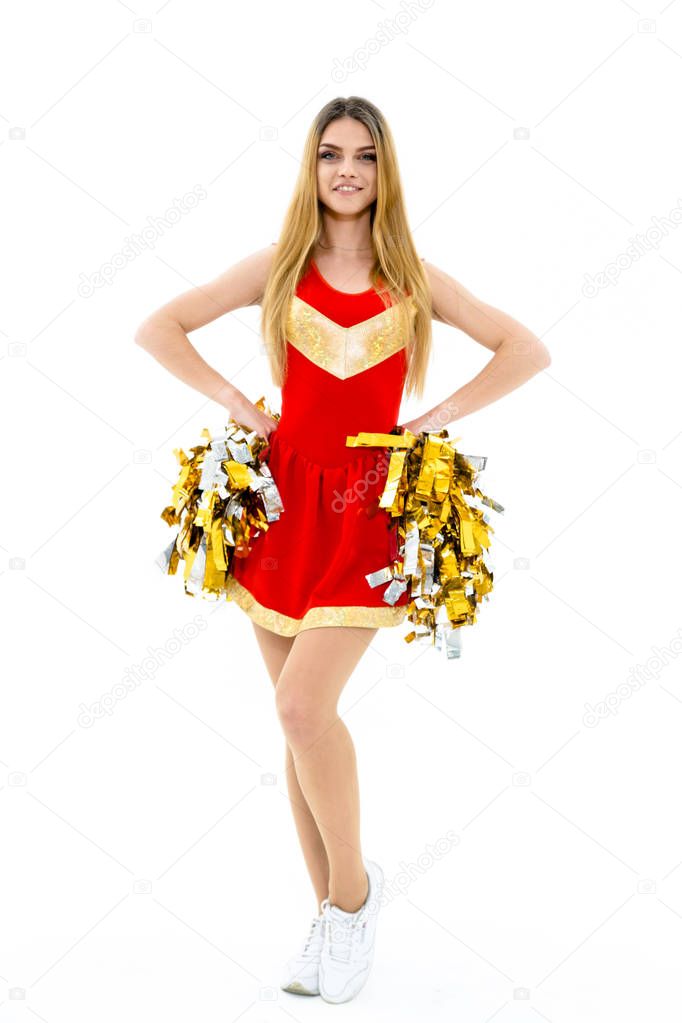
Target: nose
(347,166)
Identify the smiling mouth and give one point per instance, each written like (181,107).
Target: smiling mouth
(348,189)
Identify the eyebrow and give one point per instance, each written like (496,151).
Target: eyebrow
(358,150)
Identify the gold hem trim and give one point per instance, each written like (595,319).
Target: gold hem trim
(285,625)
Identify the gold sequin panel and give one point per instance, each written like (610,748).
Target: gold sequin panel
(345,351)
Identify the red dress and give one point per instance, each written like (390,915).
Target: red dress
(346,372)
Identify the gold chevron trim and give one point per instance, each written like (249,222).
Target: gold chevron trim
(344,351)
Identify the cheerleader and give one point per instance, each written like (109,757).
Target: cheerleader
(346,310)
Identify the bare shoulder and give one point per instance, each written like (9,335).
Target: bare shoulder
(455,305)
(241,284)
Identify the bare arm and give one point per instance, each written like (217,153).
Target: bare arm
(518,353)
(164,334)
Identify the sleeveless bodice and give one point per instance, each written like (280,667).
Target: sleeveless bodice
(346,370)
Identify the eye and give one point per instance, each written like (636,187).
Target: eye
(371,157)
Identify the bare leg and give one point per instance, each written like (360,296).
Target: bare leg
(275,650)
(319,664)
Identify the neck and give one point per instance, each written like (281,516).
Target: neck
(346,236)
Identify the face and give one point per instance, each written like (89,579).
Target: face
(346,156)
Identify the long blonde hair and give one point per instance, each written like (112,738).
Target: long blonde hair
(395,256)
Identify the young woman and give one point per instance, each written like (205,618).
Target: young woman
(347,305)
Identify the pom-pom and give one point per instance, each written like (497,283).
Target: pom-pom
(443,534)
(224,496)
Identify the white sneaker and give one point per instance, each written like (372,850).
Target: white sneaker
(348,941)
(300,974)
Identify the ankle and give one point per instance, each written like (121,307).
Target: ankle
(350,900)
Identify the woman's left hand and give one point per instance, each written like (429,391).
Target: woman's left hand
(414,426)
(431,422)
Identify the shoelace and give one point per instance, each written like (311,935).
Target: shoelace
(311,947)
(340,936)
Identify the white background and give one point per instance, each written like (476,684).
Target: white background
(150,864)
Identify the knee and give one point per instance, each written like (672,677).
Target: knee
(299,715)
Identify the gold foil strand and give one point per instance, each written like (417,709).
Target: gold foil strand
(223,498)
(444,536)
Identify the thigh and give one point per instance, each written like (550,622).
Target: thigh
(274,648)
(321,661)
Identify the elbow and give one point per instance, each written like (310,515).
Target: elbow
(141,334)
(529,348)
(145,333)
(155,333)
(539,354)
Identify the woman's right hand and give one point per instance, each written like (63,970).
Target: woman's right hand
(247,414)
